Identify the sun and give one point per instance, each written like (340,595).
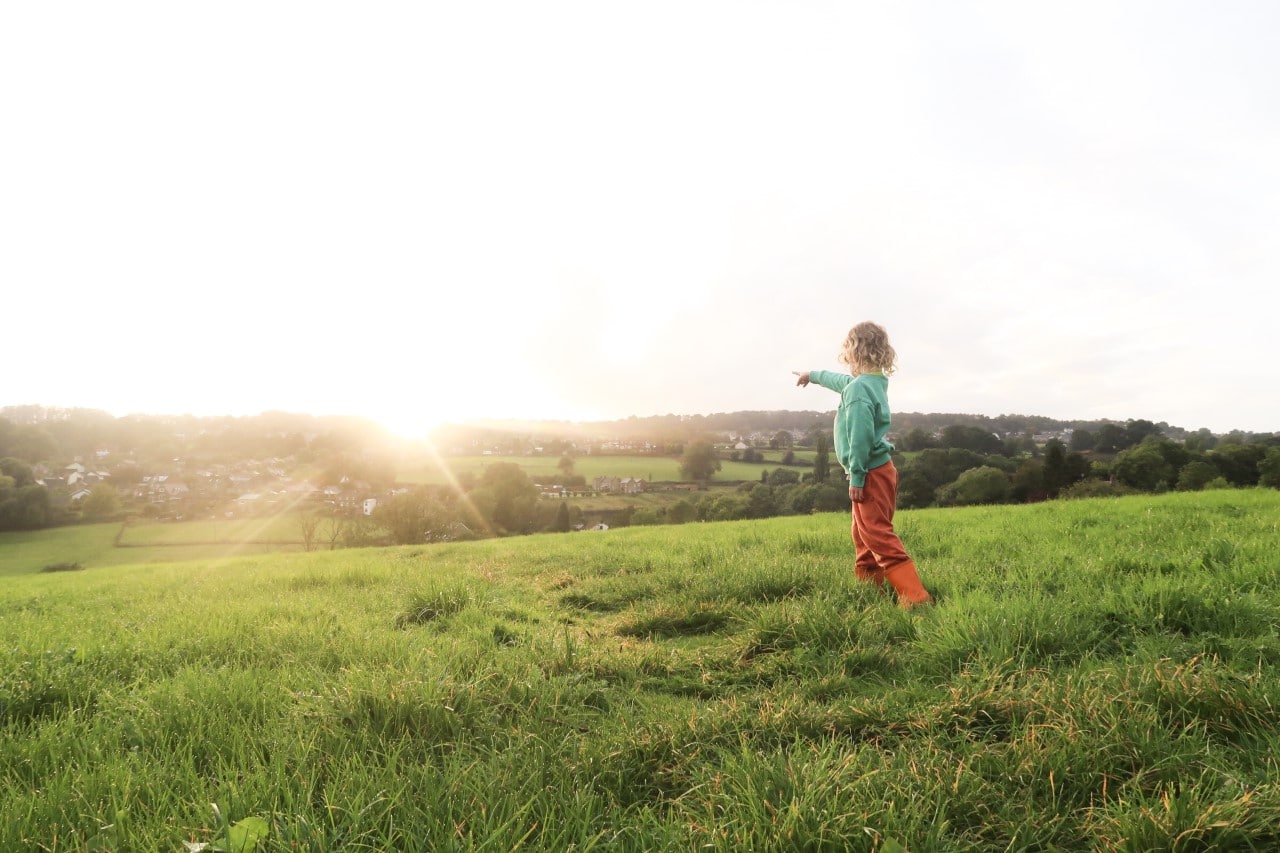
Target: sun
(409,423)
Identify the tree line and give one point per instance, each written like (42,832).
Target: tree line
(950,465)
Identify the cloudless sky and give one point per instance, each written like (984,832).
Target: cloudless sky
(427,211)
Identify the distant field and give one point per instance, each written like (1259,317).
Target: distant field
(94,545)
(1097,675)
(538,468)
(267,530)
(215,538)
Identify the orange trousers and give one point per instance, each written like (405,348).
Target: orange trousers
(879,553)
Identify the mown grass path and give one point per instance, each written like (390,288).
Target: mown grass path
(1098,675)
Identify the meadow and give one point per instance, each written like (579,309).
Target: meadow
(1097,674)
(90,546)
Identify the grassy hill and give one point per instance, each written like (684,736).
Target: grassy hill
(1097,675)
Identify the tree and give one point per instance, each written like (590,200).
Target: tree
(1136,431)
(783,477)
(681,512)
(1144,468)
(308,523)
(1269,469)
(940,467)
(405,516)
(1195,475)
(917,439)
(509,496)
(102,502)
(1238,462)
(562,518)
(722,506)
(821,460)
(25,508)
(1111,438)
(972,438)
(1201,440)
(566,465)
(18,470)
(335,530)
(781,439)
(1027,483)
(915,491)
(1082,439)
(762,502)
(983,485)
(699,461)
(1055,467)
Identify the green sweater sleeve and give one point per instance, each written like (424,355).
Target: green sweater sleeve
(830,379)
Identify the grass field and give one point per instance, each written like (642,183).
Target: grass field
(1097,675)
(100,545)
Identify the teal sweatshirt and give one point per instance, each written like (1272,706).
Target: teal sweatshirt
(861,421)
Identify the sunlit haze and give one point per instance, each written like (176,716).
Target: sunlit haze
(419,212)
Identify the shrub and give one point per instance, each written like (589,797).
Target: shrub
(1095,489)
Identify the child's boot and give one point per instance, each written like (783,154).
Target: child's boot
(869,574)
(905,581)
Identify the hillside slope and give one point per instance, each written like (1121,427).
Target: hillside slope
(1098,674)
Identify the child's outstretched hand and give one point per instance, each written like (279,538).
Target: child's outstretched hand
(802,379)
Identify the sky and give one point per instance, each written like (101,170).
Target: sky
(422,212)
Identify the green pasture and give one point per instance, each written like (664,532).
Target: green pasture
(268,529)
(94,546)
(1096,675)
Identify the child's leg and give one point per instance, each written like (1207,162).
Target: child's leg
(874,522)
(865,567)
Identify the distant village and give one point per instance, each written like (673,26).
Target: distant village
(254,487)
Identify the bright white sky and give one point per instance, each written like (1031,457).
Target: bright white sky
(428,211)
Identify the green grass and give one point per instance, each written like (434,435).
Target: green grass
(270,529)
(102,545)
(1097,675)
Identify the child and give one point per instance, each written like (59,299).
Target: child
(860,427)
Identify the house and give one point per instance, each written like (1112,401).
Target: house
(620,485)
(631,486)
(173,489)
(79,495)
(369,505)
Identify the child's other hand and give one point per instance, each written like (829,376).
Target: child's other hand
(856,495)
(802,379)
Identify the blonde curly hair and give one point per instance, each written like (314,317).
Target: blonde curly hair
(867,350)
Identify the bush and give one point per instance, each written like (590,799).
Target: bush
(1095,489)
(983,485)
(1269,469)
(1194,475)
(62,567)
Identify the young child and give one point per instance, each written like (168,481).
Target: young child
(860,427)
